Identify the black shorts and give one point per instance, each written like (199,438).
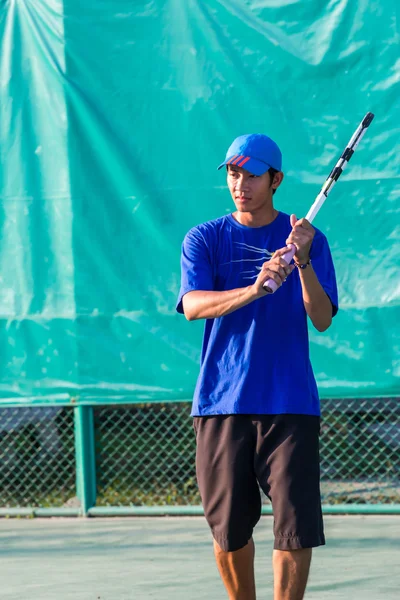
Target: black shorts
(237,454)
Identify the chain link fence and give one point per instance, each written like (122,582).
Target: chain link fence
(37,457)
(360,451)
(145,455)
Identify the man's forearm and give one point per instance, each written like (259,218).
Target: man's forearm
(211,305)
(316,302)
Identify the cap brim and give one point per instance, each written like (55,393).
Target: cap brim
(254,166)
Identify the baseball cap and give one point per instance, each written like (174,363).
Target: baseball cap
(255,152)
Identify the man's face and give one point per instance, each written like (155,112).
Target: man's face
(250,192)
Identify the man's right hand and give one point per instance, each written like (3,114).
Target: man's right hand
(276,269)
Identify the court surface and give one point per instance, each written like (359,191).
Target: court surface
(171,559)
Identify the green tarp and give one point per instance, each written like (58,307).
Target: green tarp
(114,117)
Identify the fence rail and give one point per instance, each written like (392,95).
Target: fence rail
(140,458)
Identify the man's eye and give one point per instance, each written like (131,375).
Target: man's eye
(254,176)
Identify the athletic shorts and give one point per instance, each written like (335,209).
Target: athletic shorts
(238,454)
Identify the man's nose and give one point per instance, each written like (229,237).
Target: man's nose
(241,184)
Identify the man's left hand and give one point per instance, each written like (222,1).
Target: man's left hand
(301,236)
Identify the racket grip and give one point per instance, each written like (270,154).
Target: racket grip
(270,286)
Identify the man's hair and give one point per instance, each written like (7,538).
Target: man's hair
(272,172)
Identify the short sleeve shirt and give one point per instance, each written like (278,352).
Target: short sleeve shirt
(256,359)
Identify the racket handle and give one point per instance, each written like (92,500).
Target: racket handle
(270,286)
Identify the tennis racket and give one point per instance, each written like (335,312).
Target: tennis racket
(270,286)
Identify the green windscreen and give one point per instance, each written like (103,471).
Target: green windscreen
(114,117)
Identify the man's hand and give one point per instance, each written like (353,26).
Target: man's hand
(276,269)
(301,236)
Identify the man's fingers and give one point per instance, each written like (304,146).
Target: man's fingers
(276,272)
(304,223)
(280,252)
(285,267)
(282,273)
(277,269)
(277,260)
(289,269)
(279,264)
(272,270)
(275,277)
(300,237)
(292,240)
(285,270)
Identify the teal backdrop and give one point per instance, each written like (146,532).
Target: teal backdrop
(114,117)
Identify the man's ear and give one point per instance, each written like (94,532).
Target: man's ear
(277,180)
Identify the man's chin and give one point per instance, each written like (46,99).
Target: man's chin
(242,208)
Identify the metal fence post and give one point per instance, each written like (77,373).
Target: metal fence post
(85,457)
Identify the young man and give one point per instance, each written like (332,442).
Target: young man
(256,407)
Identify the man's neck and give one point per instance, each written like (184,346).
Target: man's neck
(255,219)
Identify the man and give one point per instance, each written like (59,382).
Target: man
(256,407)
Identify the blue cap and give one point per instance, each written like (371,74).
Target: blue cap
(254,152)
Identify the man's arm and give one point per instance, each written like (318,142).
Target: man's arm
(316,302)
(199,304)
(211,305)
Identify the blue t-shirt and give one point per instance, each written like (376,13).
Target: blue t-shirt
(256,359)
